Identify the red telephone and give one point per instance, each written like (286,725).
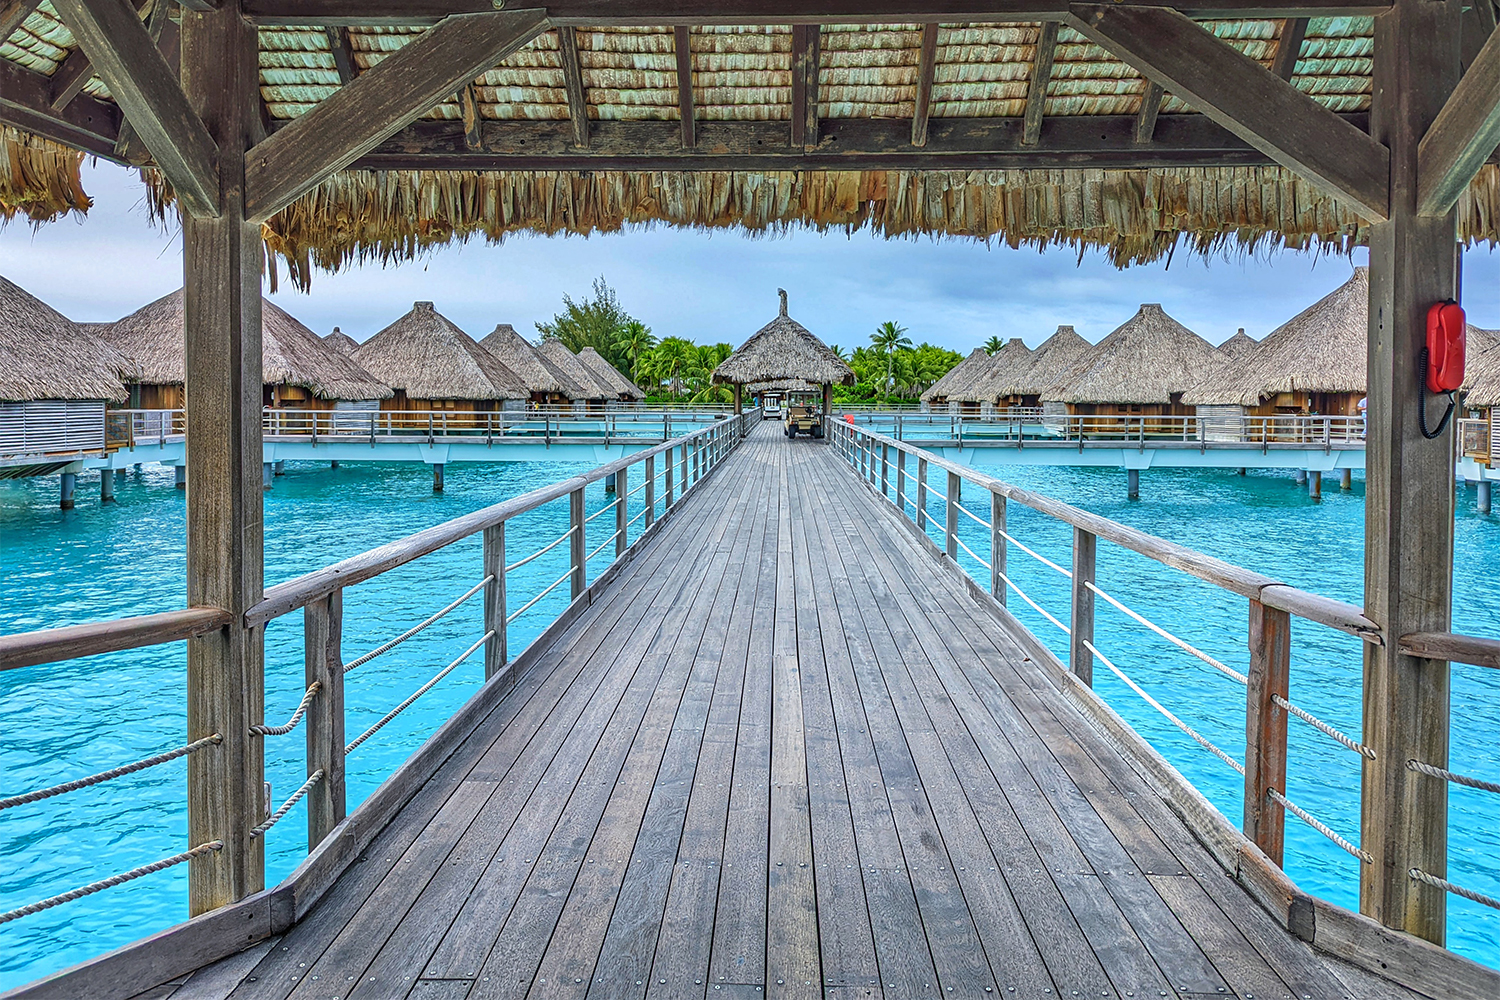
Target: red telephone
(1445,347)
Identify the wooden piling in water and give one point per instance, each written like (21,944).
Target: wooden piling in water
(1315,485)
(69,482)
(1483,497)
(106,487)
(437,477)
(1132,484)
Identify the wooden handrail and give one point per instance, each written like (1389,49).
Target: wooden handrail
(1452,646)
(26,649)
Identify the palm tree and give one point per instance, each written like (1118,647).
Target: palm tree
(839,352)
(635,340)
(993,344)
(888,338)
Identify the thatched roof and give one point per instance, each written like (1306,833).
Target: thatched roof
(39,179)
(426,356)
(1005,371)
(1479,340)
(1145,360)
(1062,357)
(1482,386)
(1321,349)
(589,384)
(291,354)
(338,340)
(539,374)
(1241,345)
(45,355)
(783,348)
(783,385)
(610,375)
(958,377)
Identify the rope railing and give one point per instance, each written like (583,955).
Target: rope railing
(971,552)
(1040,610)
(111,882)
(1324,727)
(531,603)
(1419,875)
(976,518)
(417,694)
(600,548)
(286,807)
(1034,554)
(639,514)
(542,551)
(114,772)
(1197,737)
(1183,644)
(1422,767)
(392,644)
(606,508)
(1352,849)
(311,693)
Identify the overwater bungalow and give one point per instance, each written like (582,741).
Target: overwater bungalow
(435,367)
(1241,345)
(297,370)
(1061,358)
(998,384)
(593,393)
(1142,369)
(1481,400)
(608,374)
(783,349)
(338,340)
(548,384)
(955,379)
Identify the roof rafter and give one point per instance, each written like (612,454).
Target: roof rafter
(578,101)
(12,13)
(1289,48)
(1041,75)
(343,54)
(87,124)
(806,48)
(682,45)
(1462,136)
(1145,119)
(168,36)
(926,71)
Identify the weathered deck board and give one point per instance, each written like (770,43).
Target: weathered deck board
(785,754)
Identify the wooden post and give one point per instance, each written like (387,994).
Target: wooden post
(496,652)
(885,470)
(106,487)
(997,548)
(577,549)
(323,664)
(437,477)
(950,525)
(901,481)
(739,405)
(666,479)
(1408,487)
(685,483)
(921,494)
(1080,657)
(69,484)
(225,670)
(650,490)
(1265,726)
(622,509)
(827,399)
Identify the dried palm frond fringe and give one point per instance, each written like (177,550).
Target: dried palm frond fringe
(38,178)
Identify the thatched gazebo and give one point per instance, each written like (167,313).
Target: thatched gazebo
(958,378)
(996,386)
(298,370)
(593,392)
(1313,363)
(338,340)
(608,374)
(783,349)
(433,365)
(1240,346)
(547,383)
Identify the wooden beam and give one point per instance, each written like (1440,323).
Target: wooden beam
(1145,119)
(1041,75)
(86,124)
(1289,47)
(1238,93)
(926,71)
(68,80)
(342,51)
(468,103)
(13,13)
(806,39)
(578,100)
(358,117)
(1479,24)
(682,43)
(168,42)
(127,60)
(1463,135)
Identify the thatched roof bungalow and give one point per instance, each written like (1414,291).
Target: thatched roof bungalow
(781,349)
(1241,345)
(433,365)
(1062,357)
(1143,367)
(592,392)
(338,340)
(1313,363)
(998,384)
(546,382)
(956,379)
(611,376)
(298,370)
(1481,397)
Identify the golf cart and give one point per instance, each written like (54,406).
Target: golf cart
(770,406)
(803,416)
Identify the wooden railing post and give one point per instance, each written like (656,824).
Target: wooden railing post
(666,479)
(950,525)
(1265,726)
(622,509)
(921,494)
(650,490)
(578,548)
(496,654)
(997,548)
(901,481)
(685,481)
(1080,657)
(885,470)
(323,664)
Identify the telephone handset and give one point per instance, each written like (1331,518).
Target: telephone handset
(1442,360)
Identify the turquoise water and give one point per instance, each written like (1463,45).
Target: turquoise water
(65,720)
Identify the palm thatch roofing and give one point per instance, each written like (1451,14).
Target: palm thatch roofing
(783,348)
(1007,370)
(1321,349)
(1239,346)
(589,385)
(958,377)
(783,385)
(1062,356)
(610,375)
(339,341)
(291,354)
(1479,340)
(1147,359)
(1482,388)
(427,356)
(45,355)
(539,374)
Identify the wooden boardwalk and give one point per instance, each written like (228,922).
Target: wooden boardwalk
(784,754)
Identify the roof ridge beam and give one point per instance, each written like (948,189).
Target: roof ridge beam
(682,47)
(1462,136)
(926,73)
(1036,92)
(1247,99)
(126,58)
(357,118)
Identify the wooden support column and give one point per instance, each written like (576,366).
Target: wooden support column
(950,525)
(1265,727)
(1080,657)
(496,651)
(1408,487)
(577,544)
(222,307)
(622,510)
(323,664)
(650,491)
(921,494)
(997,548)
(901,481)
(739,400)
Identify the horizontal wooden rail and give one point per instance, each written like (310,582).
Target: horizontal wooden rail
(26,649)
(1450,646)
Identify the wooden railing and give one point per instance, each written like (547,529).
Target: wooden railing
(1030,427)
(134,428)
(1478,440)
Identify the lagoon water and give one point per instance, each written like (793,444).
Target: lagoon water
(66,720)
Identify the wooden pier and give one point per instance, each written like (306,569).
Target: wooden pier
(785,753)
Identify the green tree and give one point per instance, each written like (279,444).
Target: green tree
(635,340)
(669,362)
(839,352)
(888,338)
(994,344)
(598,322)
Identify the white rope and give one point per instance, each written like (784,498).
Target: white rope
(307,698)
(1035,555)
(1222,668)
(607,507)
(113,880)
(1200,739)
(1446,775)
(387,647)
(418,693)
(1313,822)
(971,552)
(976,517)
(639,515)
(114,772)
(529,604)
(542,551)
(1458,890)
(286,806)
(1324,727)
(600,548)
(1043,611)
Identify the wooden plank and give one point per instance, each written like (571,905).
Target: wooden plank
(1145,119)
(68,79)
(1472,649)
(578,101)
(468,106)
(1036,90)
(805,58)
(926,70)
(1289,47)
(343,54)
(358,116)
(12,13)
(25,649)
(682,41)
(1240,94)
(323,625)
(125,57)
(87,124)
(1463,135)
(497,650)
(1478,25)
(1265,727)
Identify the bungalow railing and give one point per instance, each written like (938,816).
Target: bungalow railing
(898,472)
(1026,427)
(137,428)
(668,473)
(1477,441)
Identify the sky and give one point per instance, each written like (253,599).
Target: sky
(712,287)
